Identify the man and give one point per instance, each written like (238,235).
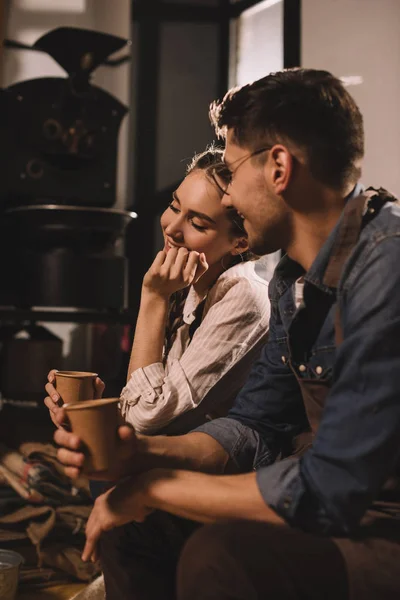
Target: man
(297,485)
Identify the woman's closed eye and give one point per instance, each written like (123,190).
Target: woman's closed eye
(174,208)
(197,226)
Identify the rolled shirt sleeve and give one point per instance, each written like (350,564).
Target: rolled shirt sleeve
(245,446)
(236,320)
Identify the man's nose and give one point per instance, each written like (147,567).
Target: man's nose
(226,201)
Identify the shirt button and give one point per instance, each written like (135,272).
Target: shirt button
(287,502)
(284,359)
(302,368)
(318,370)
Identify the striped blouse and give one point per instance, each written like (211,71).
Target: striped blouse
(202,375)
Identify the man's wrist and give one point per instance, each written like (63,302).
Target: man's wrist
(157,486)
(151,451)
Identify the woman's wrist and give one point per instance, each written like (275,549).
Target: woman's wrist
(153,296)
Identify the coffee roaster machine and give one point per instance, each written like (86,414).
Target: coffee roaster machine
(61,238)
(60,235)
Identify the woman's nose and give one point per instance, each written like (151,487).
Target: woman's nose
(174,228)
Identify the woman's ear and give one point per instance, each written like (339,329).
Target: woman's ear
(241,245)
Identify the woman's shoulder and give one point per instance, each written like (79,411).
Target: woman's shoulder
(248,286)
(244,272)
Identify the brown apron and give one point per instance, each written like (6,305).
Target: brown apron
(372,556)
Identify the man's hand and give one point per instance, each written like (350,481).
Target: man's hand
(72,457)
(173,271)
(52,400)
(120,505)
(196,496)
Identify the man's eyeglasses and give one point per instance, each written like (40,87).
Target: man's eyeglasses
(223,177)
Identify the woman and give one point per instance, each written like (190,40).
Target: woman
(203,314)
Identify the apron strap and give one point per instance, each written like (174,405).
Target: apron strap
(357,213)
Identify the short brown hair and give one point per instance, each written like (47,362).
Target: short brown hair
(308,107)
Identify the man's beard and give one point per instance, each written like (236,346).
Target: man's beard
(260,245)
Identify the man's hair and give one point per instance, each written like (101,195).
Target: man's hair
(307,107)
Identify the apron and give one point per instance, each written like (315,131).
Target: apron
(372,555)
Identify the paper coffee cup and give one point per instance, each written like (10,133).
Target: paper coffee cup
(96,422)
(10,563)
(75,386)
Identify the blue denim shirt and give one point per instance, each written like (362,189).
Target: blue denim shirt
(357,445)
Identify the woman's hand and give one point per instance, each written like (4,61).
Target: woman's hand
(52,400)
(174,271)
(121,504)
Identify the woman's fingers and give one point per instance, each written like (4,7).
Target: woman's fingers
(202,267)
(169,260)
(191,266)
(174,270)
(52,375)
(159,260)
(178,267)
(52,392)
(57,414)
(99,386)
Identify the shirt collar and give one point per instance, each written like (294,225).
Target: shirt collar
(288,271)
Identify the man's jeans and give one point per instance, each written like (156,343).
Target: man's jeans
(239,560)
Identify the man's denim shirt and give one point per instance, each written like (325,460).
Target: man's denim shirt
(357,445)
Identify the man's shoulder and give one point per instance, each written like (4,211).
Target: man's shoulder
(381,230)
(386,221)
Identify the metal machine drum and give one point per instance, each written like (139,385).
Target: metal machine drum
(59,235)
(79,228)
(64,279)
(64,256)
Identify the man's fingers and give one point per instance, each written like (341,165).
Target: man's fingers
(93,532)
(88,550)
(95,554)
(67,439)
(126,433)
(70,459)
(72,472)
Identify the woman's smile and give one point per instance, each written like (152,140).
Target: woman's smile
(168,245)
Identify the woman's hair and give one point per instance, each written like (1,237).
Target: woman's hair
(205,161)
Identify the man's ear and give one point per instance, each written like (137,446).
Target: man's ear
(241,245)
(280,168)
